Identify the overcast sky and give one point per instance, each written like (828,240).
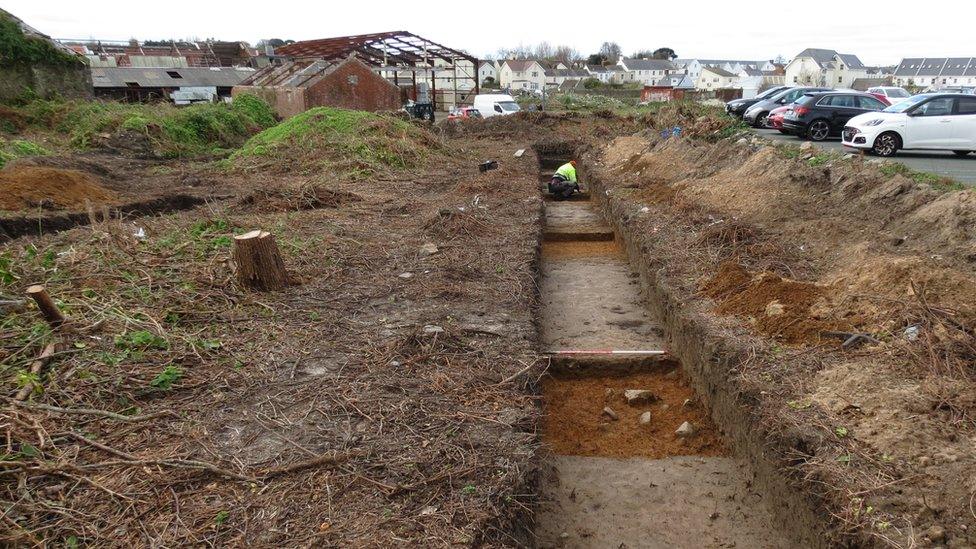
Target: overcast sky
(878,32)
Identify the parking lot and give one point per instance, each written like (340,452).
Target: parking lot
(942,163)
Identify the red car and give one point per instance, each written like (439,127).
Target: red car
(464,112)
(775,120)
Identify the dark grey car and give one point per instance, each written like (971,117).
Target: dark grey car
(757,114)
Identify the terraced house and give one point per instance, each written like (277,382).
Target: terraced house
(820,67)
(646,71)
(936,72)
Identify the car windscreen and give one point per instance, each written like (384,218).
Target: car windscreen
(509,106)
(806,99)
(898,92)
(907,104)
(474,113)
(768,93)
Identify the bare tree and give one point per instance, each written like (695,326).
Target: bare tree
(611,51)
(567,55)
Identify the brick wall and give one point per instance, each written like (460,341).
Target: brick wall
(354,86)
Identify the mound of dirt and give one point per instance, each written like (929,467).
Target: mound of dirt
(297,198)
(26,187)
(778,307)
(349,144)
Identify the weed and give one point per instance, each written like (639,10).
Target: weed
(819,160)
(140,340)
(841,432)
(165,380)
(938,182)
(221,518)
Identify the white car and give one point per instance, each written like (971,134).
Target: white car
(892,94)
(495,104)
(931,121)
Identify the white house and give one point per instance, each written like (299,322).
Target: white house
(487,69)
(601,73)
(818,67)
(522,74)
(556,77)
(752,81)
(936,72)
(693,67)
(715,78)
(645,71)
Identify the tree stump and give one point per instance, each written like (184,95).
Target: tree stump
(47,306)
(259,263)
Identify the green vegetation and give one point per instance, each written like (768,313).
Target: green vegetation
(351,143)
(16,49)
(19,148)
(198,129)
(938,182)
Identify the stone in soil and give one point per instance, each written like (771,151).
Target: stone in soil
(686,430)
(639,396)
(645,418)
(608,411)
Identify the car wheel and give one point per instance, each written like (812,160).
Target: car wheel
(886,144)
(762,121)
(962,153)
(818,130)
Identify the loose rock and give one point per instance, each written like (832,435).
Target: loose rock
(645,418)
(428,248)
(935,533)
(686,430)
(639,396)
(608,411)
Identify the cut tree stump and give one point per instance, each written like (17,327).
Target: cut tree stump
(259,263)
(47,306)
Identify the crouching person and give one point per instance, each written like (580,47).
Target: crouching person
(564,183)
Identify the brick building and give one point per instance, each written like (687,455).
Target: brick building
(296,86)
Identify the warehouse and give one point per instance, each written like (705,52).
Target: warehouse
(296,86)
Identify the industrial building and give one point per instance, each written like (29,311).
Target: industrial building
(296,86)
(423,69)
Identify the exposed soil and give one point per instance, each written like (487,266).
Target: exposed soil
(872,436)
(302,197)
(577,249)
(50,188)
(575,424)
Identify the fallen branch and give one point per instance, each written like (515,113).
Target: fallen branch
(95,412)
(323,460)
(35,370)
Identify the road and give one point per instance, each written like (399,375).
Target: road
(941,163)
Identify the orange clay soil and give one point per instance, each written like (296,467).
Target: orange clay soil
(777,307)
(575,424)
(575,249)
(31,187)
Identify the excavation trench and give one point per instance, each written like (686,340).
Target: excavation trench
(617,473)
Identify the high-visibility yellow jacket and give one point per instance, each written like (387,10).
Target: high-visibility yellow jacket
(568,171)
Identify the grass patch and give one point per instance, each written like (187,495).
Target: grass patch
(351,143)
(199,129)
(938,182)
(19,148)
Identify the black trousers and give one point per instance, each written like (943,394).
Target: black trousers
(562,189)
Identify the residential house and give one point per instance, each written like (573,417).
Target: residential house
(522,74)
(645,71)
(693,67)
(487,69)
(936,72)
(556,77)
(820,67)
(715,78)
(752,81)
(600,72)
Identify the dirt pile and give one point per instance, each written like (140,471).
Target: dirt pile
(50,188)
(292,198)
(345,144)
(777,307)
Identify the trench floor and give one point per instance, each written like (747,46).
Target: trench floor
(617,481)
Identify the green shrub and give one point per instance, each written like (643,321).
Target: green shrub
(254,108)
(16,49)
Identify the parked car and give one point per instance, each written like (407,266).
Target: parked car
(818,116)
(890,94)
(464,112)
(738,107)
(495,104)
(775,119)
(953,89)
(932,121)
(423,111)
(757,114)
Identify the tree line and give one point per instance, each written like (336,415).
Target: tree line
(608,54)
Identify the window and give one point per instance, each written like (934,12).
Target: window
(796,79)
(966,105)
(940,106)
(353,79)
(839,101)
(535,74)
(174,74)
(871,103)
(840,79)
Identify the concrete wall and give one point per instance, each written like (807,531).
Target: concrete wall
(353,85)
(46,81)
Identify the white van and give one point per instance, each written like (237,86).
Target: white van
(495,104)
